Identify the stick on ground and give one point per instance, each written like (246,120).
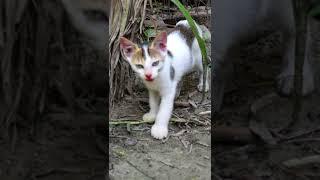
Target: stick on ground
(302,161)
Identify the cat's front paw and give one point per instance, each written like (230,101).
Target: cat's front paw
(200,87)
(159,131)
(149,117)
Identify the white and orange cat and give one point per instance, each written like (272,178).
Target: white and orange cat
(161,65)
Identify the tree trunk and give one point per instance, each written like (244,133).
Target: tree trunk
(300,12)
(126,19)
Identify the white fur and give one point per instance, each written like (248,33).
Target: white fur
(184,61)
(162,88)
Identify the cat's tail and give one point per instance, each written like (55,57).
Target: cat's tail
(186,24)
(203,30)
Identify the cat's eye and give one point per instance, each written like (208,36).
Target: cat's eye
(155,63)
(140,66)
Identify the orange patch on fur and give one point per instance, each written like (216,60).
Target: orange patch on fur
(154,54)
(137,57)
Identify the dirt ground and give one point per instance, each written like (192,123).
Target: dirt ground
(185,154)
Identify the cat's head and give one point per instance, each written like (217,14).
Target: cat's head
(146,60)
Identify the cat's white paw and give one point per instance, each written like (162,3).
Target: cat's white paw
(149,117)
(159,131)
(200,87)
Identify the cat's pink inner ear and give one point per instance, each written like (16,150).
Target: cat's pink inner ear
(127,47)
(160,42)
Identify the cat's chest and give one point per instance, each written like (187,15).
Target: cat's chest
(158,86)
(152,85)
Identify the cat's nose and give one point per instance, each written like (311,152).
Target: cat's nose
(148,76)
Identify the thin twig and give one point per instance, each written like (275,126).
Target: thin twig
(205,112)
(145,174)
(301,134)
(203,144)
(143,15)
(216,177)
(180,133)
(286,170)
(302,161)
(151,5)
(60,170)
(303,140)
(168,164)
(236,150)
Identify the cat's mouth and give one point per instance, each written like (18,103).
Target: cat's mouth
(149,79)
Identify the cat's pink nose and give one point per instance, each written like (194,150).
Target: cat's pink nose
(148,76)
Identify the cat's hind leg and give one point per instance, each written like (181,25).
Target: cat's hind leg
(178,90)
(198,61)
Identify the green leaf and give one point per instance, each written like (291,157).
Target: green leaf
(149,33)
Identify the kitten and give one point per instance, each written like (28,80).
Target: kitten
(161,65)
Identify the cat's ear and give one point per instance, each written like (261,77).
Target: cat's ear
(127,48)
(160,42)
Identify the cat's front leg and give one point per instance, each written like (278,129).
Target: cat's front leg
(154,100)
(160,128)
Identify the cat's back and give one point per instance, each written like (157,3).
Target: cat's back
(176,41)
(179,40)
(180,43)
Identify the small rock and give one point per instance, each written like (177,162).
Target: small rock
(130,142)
